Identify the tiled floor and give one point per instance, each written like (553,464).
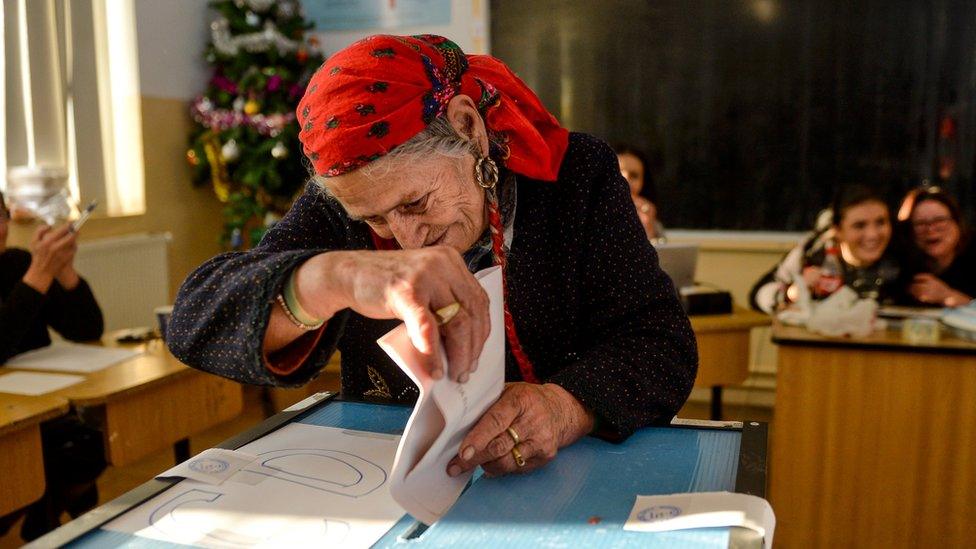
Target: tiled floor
(118,480)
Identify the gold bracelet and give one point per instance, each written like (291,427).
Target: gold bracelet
(291,316)
(293,309)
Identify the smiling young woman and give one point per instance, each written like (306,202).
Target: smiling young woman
(861,228)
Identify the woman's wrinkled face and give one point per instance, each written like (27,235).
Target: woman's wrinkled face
(633,171)
(936,233)
(865,229)
(419,202)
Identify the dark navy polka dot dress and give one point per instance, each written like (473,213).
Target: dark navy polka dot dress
(592,308)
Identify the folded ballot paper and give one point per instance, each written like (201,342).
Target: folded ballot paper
(702,510)
(444,414)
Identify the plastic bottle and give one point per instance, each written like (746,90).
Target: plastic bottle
(831,274)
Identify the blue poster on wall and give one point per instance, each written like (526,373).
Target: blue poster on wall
(376,14)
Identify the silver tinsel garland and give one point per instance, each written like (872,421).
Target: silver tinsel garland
(255,42)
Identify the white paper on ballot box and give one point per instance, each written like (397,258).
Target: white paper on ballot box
(444,414)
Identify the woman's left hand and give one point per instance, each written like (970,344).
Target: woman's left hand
(545,419)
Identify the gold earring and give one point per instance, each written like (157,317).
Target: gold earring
(486,172)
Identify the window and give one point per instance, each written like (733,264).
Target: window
(70,97)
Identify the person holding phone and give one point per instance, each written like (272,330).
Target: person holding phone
(39,289)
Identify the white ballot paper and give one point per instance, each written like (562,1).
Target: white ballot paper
(33,384)
(212,466)
(702,510)
(71,357)
(308,486)
(444,414)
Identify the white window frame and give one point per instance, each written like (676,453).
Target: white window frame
(71,100)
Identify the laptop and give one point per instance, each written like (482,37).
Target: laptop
(679,262)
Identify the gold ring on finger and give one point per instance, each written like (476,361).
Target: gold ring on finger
(446,313)
(519,460)
(514,434)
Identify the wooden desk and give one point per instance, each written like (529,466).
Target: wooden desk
(875,441)
(723,350)
(21,459)
(151,402)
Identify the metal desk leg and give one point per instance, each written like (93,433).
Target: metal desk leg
(716,403)
(181,450)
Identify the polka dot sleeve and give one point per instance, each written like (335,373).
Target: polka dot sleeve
(221,312)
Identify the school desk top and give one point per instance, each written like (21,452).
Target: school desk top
(591,478)
(879,340)
(146,403)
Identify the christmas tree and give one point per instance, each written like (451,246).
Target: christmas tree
(246,141)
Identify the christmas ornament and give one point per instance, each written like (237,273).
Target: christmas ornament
(236,239)
(218,169)
(287,8)
(301,55)
(259,6)
(251,107)
(230,151)
(252,18)
(238,104)
(279,151)
(191,158)
(271,218)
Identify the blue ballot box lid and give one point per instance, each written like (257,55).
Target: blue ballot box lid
(582,498)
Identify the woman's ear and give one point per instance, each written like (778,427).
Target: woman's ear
(466,120)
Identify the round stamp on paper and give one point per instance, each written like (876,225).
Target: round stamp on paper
(658,513)
(209,465)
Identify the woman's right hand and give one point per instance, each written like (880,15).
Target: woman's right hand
(51,251)
(409,285)
(811,276)
(647,213)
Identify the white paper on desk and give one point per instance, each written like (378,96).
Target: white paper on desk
(71,357)
(444,414)
(212,466)
(33,383)
(310,486)
(702,510)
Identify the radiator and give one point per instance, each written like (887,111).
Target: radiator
(129,276)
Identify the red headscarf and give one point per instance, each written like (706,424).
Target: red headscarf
(379,92)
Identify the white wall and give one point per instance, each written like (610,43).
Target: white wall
(173,34)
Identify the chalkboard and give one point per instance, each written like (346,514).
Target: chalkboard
(755,111)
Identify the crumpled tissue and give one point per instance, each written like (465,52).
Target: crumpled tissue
(841,314)
(844,313)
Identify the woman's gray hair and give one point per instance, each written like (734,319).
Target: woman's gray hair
(439,137)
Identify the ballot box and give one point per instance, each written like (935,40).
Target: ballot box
(582,498)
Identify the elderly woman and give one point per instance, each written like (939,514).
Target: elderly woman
(432,165)
(948,273)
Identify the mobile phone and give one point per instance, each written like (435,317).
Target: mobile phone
(77,223)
